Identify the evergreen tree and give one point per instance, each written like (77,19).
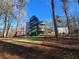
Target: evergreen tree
(34,26)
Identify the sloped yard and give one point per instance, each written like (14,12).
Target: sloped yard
(30,49)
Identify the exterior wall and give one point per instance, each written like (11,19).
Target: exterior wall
(42,27)
(63,30)
(27,28)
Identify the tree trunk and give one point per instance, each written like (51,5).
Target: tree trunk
(55,24)
(16,29)
(6,28)
(67,21)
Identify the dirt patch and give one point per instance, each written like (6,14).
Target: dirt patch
(11,51)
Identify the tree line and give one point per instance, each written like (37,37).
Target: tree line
(65,9)
(7,9)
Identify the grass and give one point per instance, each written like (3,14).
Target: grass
(20,41)
(34,38)
(38,41)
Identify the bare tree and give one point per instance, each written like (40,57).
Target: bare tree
(53,13)
(21,14)
(65,8)
(6,7)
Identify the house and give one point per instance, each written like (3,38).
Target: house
(62,30)
(42,27)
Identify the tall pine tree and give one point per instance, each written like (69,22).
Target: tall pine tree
(34,26)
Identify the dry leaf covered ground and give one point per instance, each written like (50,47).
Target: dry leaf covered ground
(20,49)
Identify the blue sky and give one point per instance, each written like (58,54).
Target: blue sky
(39,8)
(42,9)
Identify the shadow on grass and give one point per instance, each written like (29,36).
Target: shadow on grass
(23,52)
